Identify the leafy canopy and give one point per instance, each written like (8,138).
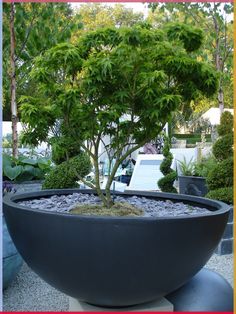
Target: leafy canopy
(121,82)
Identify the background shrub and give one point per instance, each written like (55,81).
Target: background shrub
(226,124)
(205,166)
(220,178)
(223,147)
(221,175)
(222,194)
(64,148)
(64,176)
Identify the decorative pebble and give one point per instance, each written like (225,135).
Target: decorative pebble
(151,207)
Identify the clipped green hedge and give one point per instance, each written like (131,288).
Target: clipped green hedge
(192,138)
(222,194)
(191,135)
(64,176)
(221,175)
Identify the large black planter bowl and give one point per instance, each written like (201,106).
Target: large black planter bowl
(115,261)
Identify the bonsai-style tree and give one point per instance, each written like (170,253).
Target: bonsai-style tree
(166,183)
(117,82)
(220,179)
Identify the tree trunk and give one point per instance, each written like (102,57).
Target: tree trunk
(14,116)
(218,63)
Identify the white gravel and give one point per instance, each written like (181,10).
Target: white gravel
(30,293)
(224,265)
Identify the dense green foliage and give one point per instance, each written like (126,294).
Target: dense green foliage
(65,175)
(25,169)
(226,124)
(191,138)
(99,15)
(38,26)
(221,175)
(187,168)
(197,168)
(166,183)
(217,21)
(223,148)
(204,167)
(223,194)
(104,84)
(63,148)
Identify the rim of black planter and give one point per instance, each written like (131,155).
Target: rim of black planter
(215,207)
(197,177)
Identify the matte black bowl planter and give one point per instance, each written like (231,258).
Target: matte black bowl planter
(115,261)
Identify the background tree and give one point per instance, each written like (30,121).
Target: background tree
(217,23)
(28,30)
(97,15)
(105,85)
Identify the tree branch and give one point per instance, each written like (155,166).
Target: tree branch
(27,36)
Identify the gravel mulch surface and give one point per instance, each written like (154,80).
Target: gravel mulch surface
(30,293)
(151,208)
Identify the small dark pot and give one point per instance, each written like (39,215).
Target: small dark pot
(115,261)
(192,185)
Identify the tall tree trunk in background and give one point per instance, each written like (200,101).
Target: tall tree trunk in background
(218,62)
(14,117)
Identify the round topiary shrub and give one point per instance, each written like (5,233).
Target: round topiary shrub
(64,148)
(221,175)
(64,176)
(223,147)
(166,183)
(223,194)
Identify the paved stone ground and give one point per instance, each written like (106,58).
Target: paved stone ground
(30,293)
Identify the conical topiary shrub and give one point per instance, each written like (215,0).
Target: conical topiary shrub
(166,183)
(220,178)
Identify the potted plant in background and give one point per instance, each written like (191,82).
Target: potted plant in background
(192,180)
(112,260)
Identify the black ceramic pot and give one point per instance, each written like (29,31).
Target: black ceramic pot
(114,261)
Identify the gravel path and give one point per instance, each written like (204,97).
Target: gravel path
(151,207)
(30,293)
